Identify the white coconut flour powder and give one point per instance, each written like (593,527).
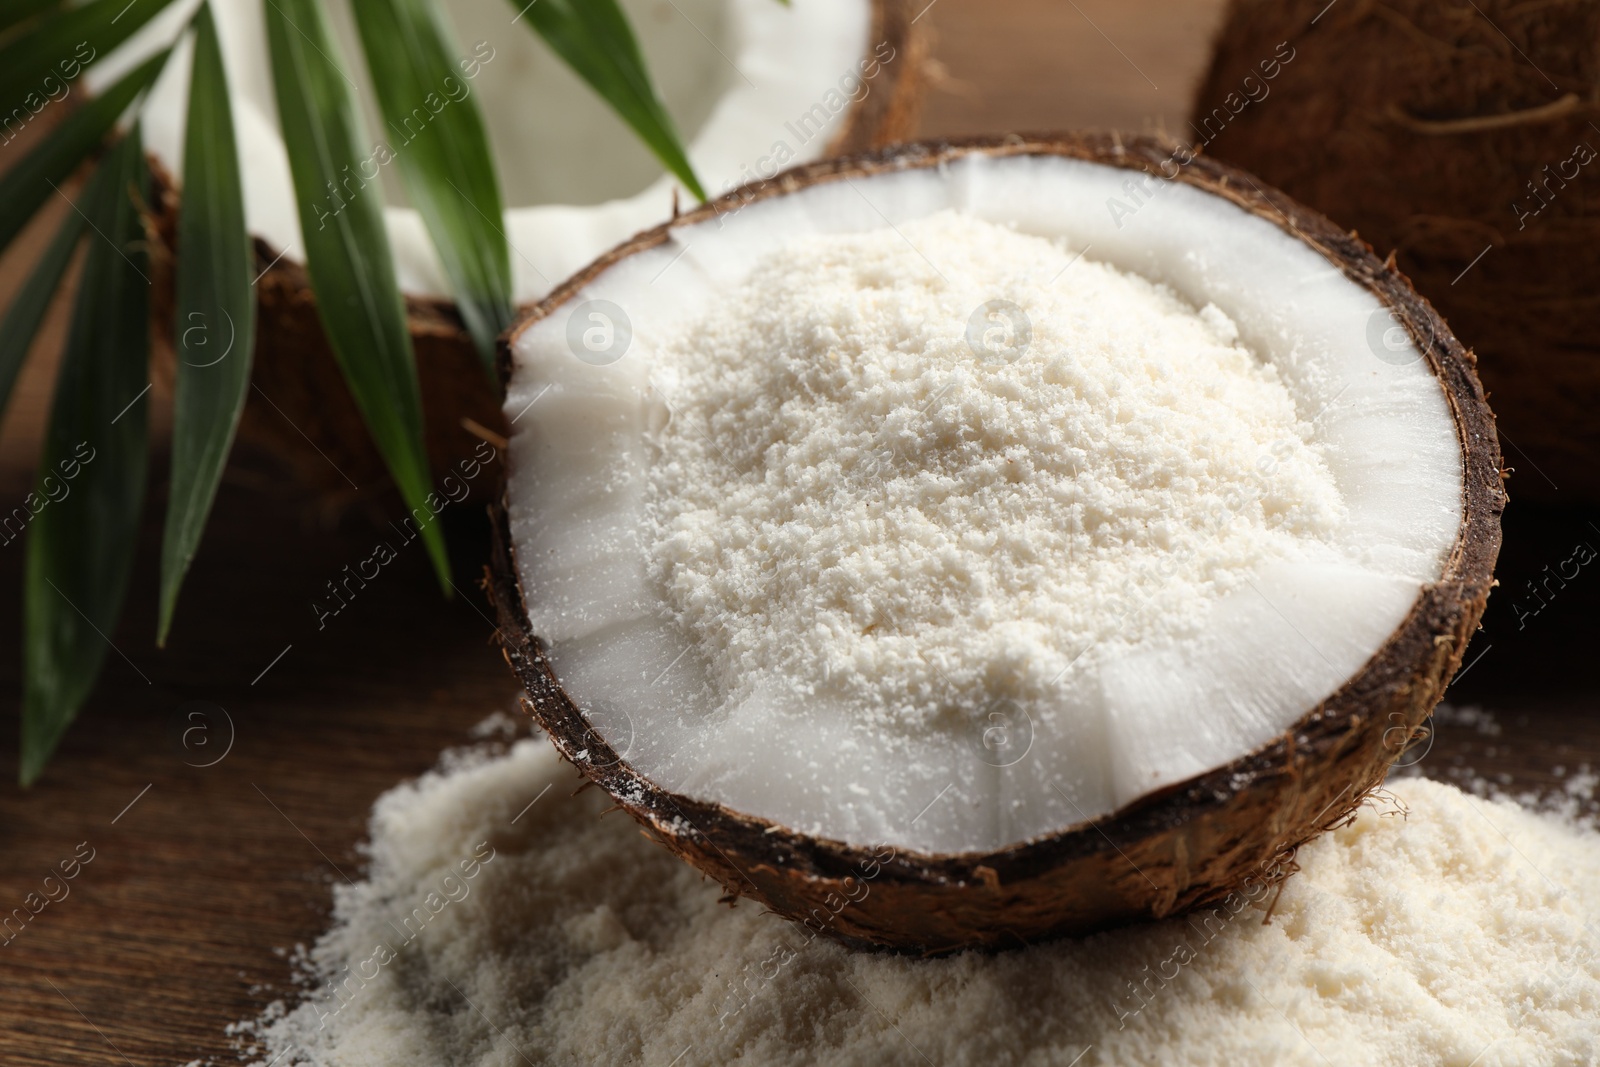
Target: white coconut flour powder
(870,484)
(1463,932)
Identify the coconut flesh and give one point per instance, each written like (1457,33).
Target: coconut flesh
(574,178)
(1128,675)
(946,509)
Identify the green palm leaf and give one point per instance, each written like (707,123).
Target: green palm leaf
(25,186)
(32,301)
(63,44)
(594,39)
(444,155)
(347,248)
(215,313)
(92,472)
(83,515)
(16,12)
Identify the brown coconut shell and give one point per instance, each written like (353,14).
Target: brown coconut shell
(1421,125)
(1222,836)
(300,409)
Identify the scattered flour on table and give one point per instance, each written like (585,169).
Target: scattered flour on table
(1464,933)
(850,495)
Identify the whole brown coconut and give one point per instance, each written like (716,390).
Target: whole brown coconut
(1462,138)
(300,409)
(1230,832)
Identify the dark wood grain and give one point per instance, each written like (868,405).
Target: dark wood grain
(177,925)
(175,920)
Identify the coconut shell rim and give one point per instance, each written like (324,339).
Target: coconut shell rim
(1447,609)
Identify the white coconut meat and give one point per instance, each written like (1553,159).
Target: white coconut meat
(753,85)
(806,537)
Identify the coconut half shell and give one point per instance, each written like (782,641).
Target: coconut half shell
(1457,137)
(1225,835)
(302,412)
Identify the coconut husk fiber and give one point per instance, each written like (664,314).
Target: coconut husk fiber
(1446,132)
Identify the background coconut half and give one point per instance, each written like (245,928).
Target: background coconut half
(1462,139)
(754,85)
(1195,838)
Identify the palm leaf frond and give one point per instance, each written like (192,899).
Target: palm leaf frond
(444,156)
(215,317)
(28,307)
(65,43)
(38,174)
(90,482)
(83,516)
(15,13)
(594,39)
(347,249)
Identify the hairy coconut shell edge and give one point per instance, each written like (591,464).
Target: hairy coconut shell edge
(1222,836)
(1449,123)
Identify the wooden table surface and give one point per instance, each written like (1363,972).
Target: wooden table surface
(203,875)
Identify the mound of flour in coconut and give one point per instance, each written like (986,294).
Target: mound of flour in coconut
(919,469)
(492,933)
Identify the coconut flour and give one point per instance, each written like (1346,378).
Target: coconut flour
(505,922)
(923,467)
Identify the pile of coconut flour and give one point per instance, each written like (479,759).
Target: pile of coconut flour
(872,484)
(494,932)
